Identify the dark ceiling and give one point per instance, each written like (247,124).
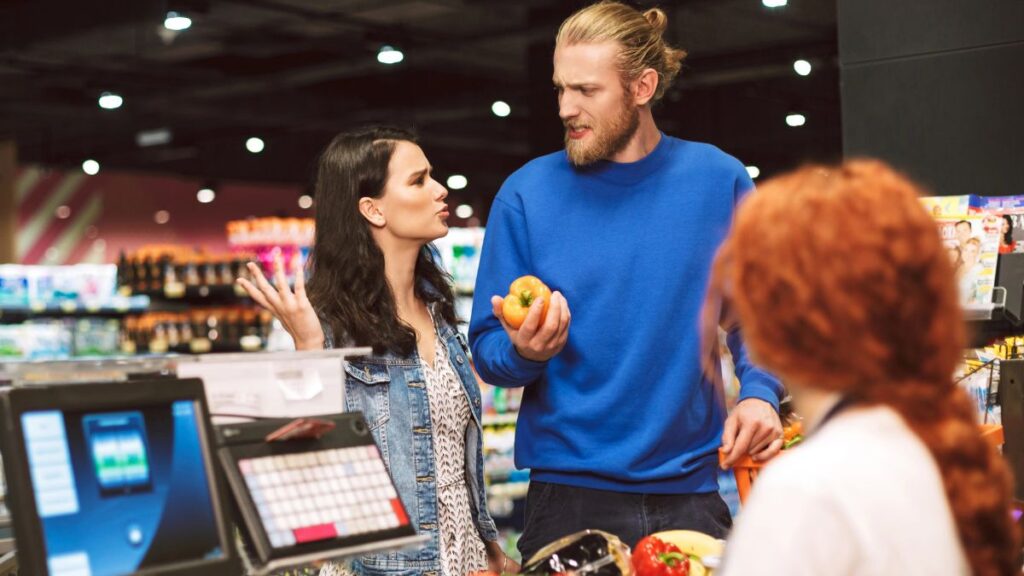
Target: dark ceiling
(295,72)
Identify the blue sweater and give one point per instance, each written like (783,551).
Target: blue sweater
(625,405)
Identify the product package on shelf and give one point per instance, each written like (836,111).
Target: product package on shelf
(981,382)
(36,340)
(60,312)
(973,245)
(58,339)
(1010,208)
(171,271)
(96,337)
(506,485)
(266,239)
(953,206)
(460,255)
(498,401)
(14,285)
(201,330)
(79,286)
(979,376)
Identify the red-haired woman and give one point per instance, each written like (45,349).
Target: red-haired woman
(850,298)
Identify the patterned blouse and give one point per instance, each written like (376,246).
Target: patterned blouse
(462,549)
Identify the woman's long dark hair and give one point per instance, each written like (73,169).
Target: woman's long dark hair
(348,287)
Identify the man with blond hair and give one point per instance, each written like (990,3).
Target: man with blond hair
(619,425)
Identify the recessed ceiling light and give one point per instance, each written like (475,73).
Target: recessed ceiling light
(255,145)
(177,21)
(796,120)
(501,109)
(91,167)
(389,55)
(110,101)
(155,137)
(457,182)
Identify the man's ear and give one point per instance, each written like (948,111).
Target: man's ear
(370,210)
(644,87)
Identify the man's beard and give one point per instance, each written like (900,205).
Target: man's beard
(609,139)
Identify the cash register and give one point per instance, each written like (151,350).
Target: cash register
(131,477)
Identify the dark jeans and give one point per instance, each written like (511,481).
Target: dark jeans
(556,510)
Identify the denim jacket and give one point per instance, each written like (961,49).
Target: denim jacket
(391,392)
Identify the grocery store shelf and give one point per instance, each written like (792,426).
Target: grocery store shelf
(508,490)
(176,296)
(989,322)
(113,308)
(204,346)
(500,419)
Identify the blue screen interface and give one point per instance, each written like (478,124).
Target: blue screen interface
(117,492)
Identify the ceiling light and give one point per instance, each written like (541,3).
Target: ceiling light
(305,201)
(774,3)
(796,120)
(389,55)
(457,182)
(464,211)
(254,145)
(177,22)
(753,172)
(63,212)
(153,137)
(205,195)
(91,167)
(501,109)
(162,217)
(802,67)
(110,101)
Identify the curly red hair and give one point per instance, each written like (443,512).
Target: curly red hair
(841,282)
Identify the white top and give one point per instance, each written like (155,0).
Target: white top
(862,496)
(462,549)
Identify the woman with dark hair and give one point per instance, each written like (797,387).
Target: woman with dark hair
(895,477)
(374,281)
(1006,235)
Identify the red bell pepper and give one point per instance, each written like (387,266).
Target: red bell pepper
(654,557)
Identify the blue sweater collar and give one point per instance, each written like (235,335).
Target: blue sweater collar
(630,172)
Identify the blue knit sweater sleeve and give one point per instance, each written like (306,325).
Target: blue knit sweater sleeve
(505,257)
(754,381)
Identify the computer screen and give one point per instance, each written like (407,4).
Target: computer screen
(122,490)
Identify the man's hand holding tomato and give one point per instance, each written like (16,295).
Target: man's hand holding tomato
(545,329)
